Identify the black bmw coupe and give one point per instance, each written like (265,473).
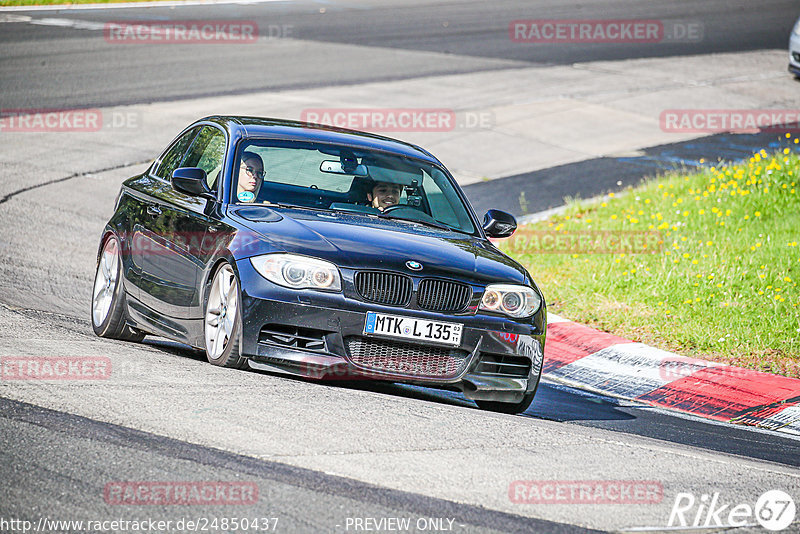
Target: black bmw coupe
(324,253)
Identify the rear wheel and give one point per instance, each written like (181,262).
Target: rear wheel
(223,320)
(108,297)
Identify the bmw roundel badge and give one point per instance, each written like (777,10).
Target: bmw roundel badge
(414,265)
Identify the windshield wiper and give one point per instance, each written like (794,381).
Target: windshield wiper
(432,224)
(296,207)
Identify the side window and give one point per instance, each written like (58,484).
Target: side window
(172,158)
(445,205)
(207,152)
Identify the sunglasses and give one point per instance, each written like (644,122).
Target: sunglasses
(254,173)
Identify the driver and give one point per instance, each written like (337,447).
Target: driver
(384,194)
(251,176)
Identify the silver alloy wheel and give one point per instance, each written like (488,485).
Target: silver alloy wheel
(105,282)
(223,305)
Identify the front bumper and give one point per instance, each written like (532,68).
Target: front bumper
(321,335)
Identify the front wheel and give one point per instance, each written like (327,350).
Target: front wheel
(223,320)
(507,407)
(108,297)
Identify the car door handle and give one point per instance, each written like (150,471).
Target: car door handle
(154,210)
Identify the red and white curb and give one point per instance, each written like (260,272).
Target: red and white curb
(587,358)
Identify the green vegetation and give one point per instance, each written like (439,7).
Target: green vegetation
(721,283)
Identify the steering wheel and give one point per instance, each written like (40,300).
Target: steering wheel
(416,213)
(395,208)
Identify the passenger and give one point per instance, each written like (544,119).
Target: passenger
(384,194)
(251,176)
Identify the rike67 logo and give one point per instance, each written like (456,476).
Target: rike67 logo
(774,510)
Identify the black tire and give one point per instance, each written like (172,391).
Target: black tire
(231,356)
(512,408)
(507,407)
(115,324)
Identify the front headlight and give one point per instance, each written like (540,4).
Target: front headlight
(511,300)
(298,272)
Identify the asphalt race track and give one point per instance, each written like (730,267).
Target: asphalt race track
(336,457)
(342,43)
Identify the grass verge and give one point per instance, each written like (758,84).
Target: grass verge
(703,264)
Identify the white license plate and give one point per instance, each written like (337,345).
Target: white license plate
(413,328)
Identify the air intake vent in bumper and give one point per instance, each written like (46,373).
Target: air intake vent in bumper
(406,359)
(294,337)
(503,365)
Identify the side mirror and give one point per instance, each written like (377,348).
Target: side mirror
(193,181)
(498,223)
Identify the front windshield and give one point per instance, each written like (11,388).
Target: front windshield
(337,178)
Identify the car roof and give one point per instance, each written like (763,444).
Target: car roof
(262,127)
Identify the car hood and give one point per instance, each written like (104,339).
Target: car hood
(357,241)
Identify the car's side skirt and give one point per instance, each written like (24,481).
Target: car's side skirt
(189,331)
